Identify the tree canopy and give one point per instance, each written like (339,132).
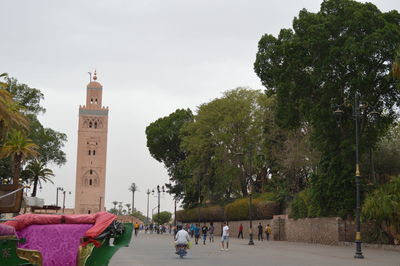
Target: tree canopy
(19,110)
(164,217)
(346,48)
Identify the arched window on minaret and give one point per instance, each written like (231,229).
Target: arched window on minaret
(91,100)
(90,182)
(88,211)
(94,152)
(90,124)
(95,124)
(95,101)
(91,171)
(90,152)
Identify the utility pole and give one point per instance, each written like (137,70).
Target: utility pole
(175,213)
(148,195)
(159,190)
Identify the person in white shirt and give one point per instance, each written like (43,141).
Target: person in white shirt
(182,237)
(225,237)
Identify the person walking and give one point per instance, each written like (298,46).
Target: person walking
(136,226)
(260,232)
(196,233)
(204,230)
(268,231)
(211,232)
(225,237)
(240,231)
(192,226)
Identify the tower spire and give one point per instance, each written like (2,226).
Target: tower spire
(95,75)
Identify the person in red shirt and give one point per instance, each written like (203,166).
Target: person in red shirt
(240,231)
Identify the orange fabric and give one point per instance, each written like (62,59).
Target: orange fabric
(103,220)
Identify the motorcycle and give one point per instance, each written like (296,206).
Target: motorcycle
(181,250)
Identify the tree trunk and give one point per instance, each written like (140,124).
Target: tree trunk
(17,169)
(35,183)
(371,158)
(133,201)
(243,185)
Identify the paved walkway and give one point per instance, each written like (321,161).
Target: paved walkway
(158,250)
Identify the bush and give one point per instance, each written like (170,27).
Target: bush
(262,209)
(383,207)
(207,214)
(300,207)
(188,215)
(266,209)
(238,210)
(234,211)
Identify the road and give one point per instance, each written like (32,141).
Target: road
(156,249)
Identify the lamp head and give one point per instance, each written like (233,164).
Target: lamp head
(374,115)
(338,115)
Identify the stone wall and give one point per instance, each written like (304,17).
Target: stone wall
(313,230)
(234,227)
(328,230)
(309,230)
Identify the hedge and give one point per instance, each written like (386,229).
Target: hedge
(207,214)
(234,211)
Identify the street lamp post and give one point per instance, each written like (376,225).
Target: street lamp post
(58,189)
(159,190)
(175,213)
(64,192)
(148,194)
(251,242)
(357,114)
(249,184)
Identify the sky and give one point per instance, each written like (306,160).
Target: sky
(152,57)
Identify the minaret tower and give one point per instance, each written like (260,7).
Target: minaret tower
(92,151)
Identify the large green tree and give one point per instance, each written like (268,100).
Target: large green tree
(164,217)
(164,144)
(23,108)
(223,143)
(346,48)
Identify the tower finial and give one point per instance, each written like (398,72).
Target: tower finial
(95,75)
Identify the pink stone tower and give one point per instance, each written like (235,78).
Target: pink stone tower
(92,151)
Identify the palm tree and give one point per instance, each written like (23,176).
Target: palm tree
(128,206)
(115,204)
(133,188)
(120,208)
(19,148)
(36,171)
(10,115)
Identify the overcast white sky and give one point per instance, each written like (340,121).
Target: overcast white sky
(152,57)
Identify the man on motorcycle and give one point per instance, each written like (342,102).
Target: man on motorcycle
(182,237)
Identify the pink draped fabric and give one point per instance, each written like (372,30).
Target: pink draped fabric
(6,230)
(58,243)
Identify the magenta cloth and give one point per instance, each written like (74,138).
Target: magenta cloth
(58,243)
(6,230)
